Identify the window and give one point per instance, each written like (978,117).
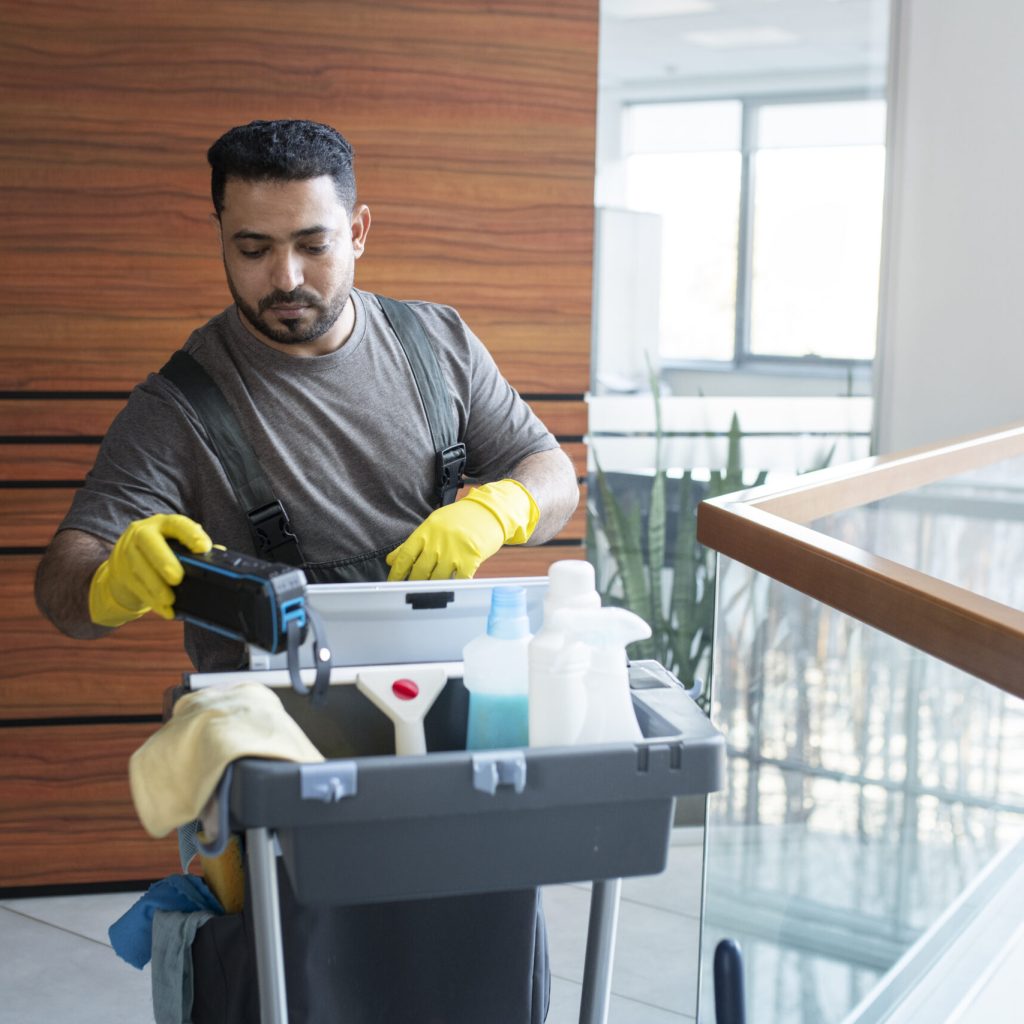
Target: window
(685,165)
(771,221)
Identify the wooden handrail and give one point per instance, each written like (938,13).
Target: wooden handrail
(766,529)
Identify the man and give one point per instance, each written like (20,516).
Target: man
(325,395)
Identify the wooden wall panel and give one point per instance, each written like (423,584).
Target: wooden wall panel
(35,463)
(50,676)
(473,125)
(29,514)
(527,561)
(58,415)
(66,810)
(562,418)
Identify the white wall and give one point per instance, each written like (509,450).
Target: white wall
(951,347)
(627,300)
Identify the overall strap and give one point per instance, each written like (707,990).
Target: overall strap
(450,453)
(268,521)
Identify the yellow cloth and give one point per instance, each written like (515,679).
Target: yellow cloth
(175,772)
(455,539)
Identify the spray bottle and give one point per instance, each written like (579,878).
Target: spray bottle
(558,687)
(607,632)
(558,698)
(495,673)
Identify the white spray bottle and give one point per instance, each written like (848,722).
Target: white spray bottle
(610,716)
(558,688)
(557,665)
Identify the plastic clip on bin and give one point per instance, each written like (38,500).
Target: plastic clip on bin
(470,821)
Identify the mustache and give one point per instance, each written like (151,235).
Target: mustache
(293,298)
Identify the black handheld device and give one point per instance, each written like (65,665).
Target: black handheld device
(250,599)
(240,596)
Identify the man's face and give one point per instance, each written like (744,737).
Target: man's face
(289,254)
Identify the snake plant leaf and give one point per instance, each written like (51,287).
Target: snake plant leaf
(624,531)
(733,479)
(684,581)
(656,548)
(597,549)
(824,461)
(682,622)
(638,581)
(657,513)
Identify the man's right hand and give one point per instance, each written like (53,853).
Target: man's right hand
(138,575)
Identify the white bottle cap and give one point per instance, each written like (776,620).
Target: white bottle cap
(571,585)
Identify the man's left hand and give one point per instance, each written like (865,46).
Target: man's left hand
(455,539)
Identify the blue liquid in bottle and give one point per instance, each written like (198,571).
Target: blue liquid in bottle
(497,720)
(496,675)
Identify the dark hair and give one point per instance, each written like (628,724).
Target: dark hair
(282,151)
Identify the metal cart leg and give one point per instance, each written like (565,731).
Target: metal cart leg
(597,971)
(266,908)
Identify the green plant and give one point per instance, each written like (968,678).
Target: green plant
(672,590)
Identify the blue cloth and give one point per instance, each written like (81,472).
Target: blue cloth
(131,934)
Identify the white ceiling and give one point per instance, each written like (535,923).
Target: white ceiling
(701,45)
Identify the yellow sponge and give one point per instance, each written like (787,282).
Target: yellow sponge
(225,875)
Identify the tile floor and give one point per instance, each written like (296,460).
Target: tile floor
(56,964)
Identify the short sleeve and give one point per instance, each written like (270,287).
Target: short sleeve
(139,469)
(498,427)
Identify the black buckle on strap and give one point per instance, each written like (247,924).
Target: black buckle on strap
(451,465)
(272,533)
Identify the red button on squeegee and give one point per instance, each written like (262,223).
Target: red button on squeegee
(405,689)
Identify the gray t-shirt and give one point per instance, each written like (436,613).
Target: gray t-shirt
(343,439)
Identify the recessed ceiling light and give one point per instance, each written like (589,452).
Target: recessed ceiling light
(734,38)
(655,8)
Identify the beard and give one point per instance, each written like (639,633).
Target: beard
(293,332)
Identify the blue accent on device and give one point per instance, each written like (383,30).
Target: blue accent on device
(293,609)
(241,597)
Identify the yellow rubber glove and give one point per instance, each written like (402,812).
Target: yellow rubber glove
(456,538)
(141,569)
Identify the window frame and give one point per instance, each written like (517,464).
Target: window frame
(856,371)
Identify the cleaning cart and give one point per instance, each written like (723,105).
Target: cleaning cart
(367,828)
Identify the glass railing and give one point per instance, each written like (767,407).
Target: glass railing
(867,852)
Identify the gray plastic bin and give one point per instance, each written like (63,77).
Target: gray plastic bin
(369,827)
(463,821)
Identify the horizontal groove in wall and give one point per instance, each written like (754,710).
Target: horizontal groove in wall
(11,892)
(57,396)
(22,723)
(38,485)
(552,396)
(49,439)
